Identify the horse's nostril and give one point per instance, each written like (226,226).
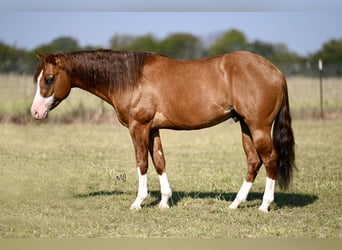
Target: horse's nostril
(35,114)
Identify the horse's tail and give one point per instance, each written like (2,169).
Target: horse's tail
(284,142)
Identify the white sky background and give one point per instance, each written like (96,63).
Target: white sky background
(302,27)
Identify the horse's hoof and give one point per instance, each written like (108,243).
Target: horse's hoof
(263,209)
(235,204)
(135,207)
(163,206)
(232,206)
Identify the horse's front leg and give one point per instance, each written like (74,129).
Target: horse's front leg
(140,137)
(157,154)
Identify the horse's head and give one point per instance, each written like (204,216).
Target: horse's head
(53,85)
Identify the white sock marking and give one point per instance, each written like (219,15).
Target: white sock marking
(242,194)
(268,195)
(142,190)
(165,190)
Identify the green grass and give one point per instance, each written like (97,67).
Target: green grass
(64,181)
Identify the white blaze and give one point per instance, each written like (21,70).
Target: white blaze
(41,105)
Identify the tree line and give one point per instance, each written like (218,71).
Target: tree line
(185,46)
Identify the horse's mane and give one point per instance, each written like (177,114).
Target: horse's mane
(119,70)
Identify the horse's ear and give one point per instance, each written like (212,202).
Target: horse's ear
(58,61)
(40,56)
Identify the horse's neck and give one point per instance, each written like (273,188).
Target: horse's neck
(97,90)
(110,77)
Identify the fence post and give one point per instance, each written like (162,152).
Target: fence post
(320,67)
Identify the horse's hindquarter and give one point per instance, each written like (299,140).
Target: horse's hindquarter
(188,94)
(256,86)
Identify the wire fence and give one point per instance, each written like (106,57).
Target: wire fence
(310,69)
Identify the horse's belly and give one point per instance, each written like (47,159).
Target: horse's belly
(188,119)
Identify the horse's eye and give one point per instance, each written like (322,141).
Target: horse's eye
(49,80)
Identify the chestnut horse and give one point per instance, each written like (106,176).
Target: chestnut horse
(151,92)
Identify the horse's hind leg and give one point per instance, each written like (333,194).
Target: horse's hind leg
(253,161)
(157,154)
(263,143)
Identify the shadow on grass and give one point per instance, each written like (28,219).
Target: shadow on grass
(102,193)
(281,199)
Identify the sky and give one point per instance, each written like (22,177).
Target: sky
(304,32)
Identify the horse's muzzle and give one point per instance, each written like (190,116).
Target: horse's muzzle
(39,111)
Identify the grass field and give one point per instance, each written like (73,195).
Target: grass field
(70,178)
(79,180)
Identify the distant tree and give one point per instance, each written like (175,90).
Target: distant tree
(13,59)
(274,52)
(331,55)
(261,48)
(7,55)
(281,53)
(331,52)
(181,46)
(66,44)
(144,43)
(132,43)
(121,42)
(229,41)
